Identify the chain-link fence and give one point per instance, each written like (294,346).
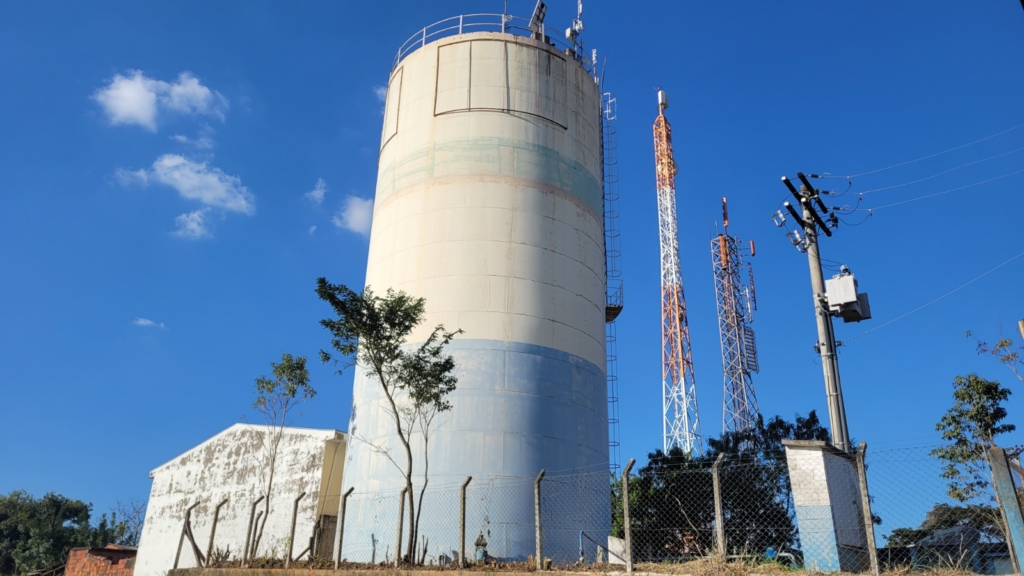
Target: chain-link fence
(919,525)
(805,507)
(809,506)
(493,520)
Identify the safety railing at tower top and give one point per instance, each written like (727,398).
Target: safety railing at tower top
(466,23)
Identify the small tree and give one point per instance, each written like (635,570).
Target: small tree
(1005,351)
(970,428)
(276,399)
(429,379)
(371,332)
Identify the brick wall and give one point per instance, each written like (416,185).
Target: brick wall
(109,561)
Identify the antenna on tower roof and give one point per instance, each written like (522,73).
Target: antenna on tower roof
(573,32)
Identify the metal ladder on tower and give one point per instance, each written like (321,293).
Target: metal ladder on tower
(613,270)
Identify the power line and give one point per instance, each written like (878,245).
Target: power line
(943,172)
(937,153)
(958,288)
(866,218)
(849,211)
(941,193)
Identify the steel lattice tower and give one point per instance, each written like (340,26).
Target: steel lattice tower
(736,303)
(680,421)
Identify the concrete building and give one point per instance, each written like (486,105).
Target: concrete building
(829,513)
(233,468)
(489,205)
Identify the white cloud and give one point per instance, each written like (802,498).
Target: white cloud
(381,92)
(130,100)
(193,225)
(194,181)
(204,141)
(356,214)
(312,229)
(147,323)
(318,191)
(199,181)
(188,96)
(129,177)
(138,99)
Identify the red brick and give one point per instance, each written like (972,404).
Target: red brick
(109,561)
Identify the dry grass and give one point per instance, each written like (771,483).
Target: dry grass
(703,567)
(712,566)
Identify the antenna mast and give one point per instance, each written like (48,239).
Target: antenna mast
(680,421)
(736,304)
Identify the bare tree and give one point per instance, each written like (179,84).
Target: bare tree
(132,515)
(276,400)
(371,332)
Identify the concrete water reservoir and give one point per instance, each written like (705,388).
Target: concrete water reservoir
(489,205)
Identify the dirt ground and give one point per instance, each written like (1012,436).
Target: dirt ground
(703,567)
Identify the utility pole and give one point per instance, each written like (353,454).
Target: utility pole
(810,221)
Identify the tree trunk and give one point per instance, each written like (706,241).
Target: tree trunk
(275,444)
(425,429)
(408,452)
(419,506)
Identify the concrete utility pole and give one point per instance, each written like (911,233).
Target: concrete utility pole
(809,220)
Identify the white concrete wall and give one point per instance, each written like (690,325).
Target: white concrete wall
(231,465)
(807,476)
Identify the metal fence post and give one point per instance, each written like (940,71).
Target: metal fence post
(213,529)
(1006,496)
(540,533)
(625,514)
(181,540)
(719,513)
(341,525)
(865,503)
(256,533)
(401,513)
(291,533)
(248,531)
(462,512)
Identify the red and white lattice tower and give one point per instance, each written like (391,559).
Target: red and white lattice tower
(736,305)
(680,422)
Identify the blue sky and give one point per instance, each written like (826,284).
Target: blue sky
(165,164)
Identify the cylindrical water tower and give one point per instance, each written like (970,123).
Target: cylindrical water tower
(489,205)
